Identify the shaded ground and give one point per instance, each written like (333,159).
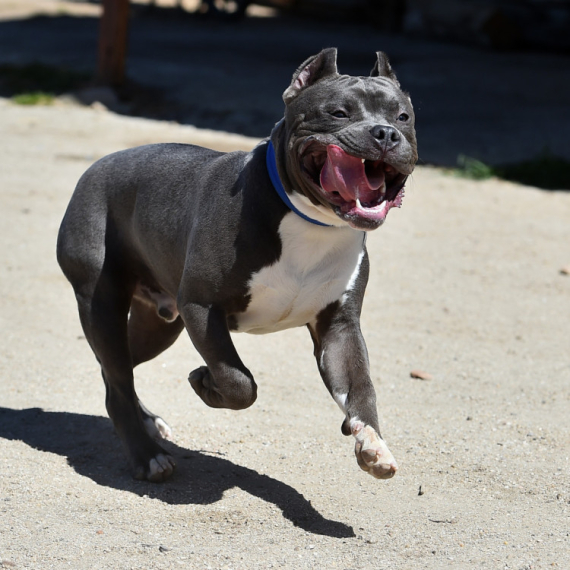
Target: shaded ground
(497,107)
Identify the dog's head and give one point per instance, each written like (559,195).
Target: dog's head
(347,143)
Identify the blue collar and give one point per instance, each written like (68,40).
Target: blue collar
(274,175)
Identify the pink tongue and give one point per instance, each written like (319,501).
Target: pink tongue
(345,174)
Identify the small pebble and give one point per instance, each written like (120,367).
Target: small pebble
(565,270)
(421,375)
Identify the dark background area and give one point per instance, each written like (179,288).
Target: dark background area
(496,105)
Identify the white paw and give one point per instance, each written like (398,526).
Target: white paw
(157,428)
(372,454)
(160,467)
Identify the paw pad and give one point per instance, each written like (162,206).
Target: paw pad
(372,454)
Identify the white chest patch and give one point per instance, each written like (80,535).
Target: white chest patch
(317,266)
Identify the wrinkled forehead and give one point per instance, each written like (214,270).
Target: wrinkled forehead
(368,88)
(371,93)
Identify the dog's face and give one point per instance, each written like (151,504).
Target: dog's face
(351,142)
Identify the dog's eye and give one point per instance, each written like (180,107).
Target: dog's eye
(339,114)
(403,117)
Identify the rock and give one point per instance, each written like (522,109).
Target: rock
(420,375)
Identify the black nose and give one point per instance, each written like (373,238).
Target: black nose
(388,137)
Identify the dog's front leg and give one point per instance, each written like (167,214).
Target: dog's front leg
(225,382)
(342,359)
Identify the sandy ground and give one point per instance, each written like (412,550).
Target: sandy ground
(465,285)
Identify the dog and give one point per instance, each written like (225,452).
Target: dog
(164,237)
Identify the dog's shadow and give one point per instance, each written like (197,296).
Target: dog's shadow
(93,450)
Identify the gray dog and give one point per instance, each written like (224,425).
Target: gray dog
(171,236)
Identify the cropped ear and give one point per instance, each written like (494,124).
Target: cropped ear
(382,68)
(314,69)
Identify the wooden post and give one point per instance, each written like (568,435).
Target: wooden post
(113,42)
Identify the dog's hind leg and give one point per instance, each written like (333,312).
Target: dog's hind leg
(149,335)
(92,253)
(103,291)
(103,315)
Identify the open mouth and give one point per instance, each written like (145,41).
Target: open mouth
(360,191)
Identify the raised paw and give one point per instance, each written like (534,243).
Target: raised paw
(372,454)
(201,382)
(236,391)
(158,469)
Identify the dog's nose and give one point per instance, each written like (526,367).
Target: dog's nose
(388,137)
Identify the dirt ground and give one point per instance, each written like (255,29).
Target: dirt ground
(466,284)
